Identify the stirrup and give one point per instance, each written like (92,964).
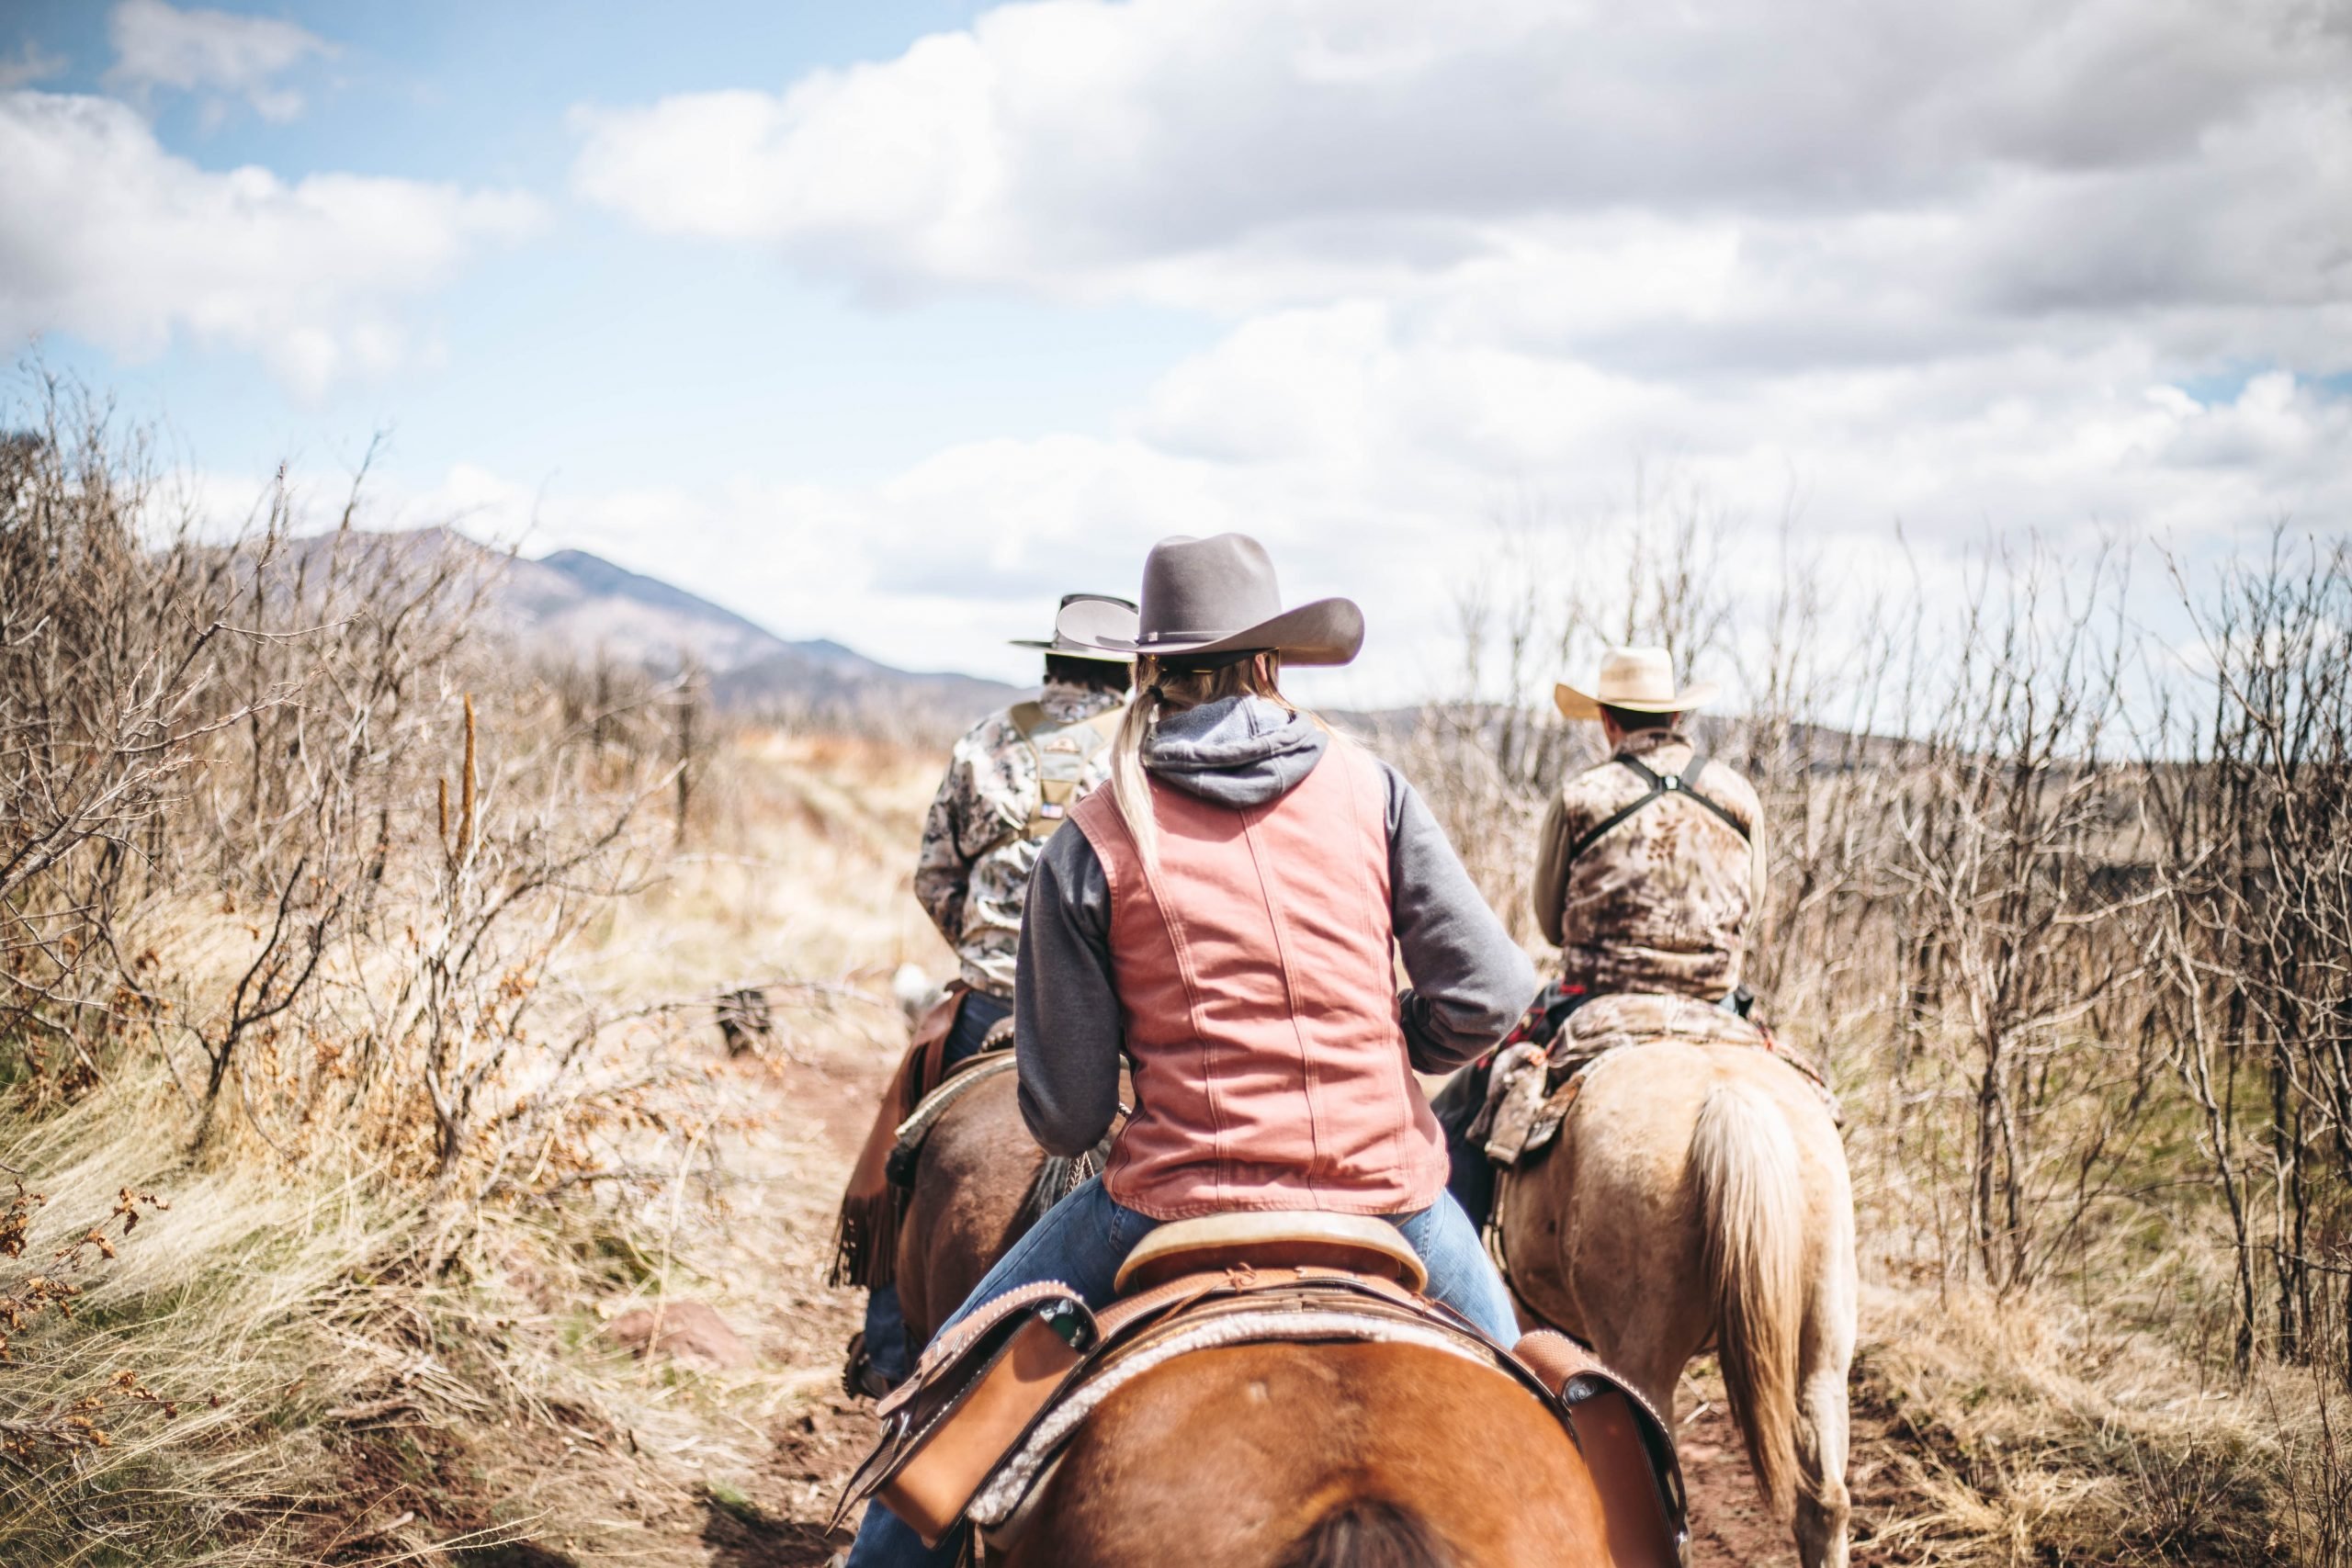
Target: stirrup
(860,1379)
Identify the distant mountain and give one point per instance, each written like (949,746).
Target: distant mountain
(824,683)
(589,604)
(586,607)
(602,608)
(577,606)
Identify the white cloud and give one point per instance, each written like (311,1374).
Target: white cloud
(1950,265)
(112,237)
(1236,153)
(1958,267)
(29,64)
(215,52)
(1387,486)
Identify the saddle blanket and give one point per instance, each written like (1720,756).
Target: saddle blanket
(1532,1087)
(1020,1471)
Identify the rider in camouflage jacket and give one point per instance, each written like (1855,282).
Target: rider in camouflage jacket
(1010,783)
(1650,868)
(1660,902)
(972,872)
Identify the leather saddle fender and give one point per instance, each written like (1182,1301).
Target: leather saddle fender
(980,1388)
(973,1394)
(1626,1446)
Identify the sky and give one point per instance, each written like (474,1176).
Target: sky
(889,322)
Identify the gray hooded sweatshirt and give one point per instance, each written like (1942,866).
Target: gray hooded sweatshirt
(1470,981)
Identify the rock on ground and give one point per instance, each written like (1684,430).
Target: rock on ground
(690,1330)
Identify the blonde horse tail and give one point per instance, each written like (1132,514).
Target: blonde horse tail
(1752,1205)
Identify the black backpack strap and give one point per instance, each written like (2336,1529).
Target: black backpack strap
(1649,776)
(1661,785)
(1644,771)
(1691,787)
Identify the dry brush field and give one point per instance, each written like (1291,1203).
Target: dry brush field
(379,1187)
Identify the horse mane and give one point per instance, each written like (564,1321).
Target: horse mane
(1369,1533)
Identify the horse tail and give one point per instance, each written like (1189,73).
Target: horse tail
(1368,1533)
(1057,1178)
(1751,1200)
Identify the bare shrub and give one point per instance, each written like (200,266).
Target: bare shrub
(361,839)
(280,830)
(2251,804)
(112,659)
(2067,908)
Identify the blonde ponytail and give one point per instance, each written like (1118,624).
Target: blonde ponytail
(1160,690)
(1130,787)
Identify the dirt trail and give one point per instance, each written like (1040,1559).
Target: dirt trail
(818,1447)
(1730,1527)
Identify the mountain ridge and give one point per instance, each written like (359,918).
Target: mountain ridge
(575,606)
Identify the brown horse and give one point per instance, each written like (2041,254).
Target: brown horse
(1318,1456)
(978,1164)
(1698,1195)
(1281,1455)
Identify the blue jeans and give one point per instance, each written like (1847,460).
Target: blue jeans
(1084,1238)
(886,1322)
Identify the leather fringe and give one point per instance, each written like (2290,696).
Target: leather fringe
(865,1240)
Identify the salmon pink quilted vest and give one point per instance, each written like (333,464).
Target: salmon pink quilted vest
(1255,977)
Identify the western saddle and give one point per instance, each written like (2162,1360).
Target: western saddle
(995,1399)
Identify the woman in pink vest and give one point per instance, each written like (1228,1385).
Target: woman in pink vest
(1227,916)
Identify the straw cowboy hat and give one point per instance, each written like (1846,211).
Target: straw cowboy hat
(1060,646)
(1640,680)
(1203,598)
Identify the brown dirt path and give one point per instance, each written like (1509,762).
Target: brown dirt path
(1730,1527)
(817,1448)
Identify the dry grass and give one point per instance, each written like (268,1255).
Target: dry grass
(361,1376)
(238,1305)
(2022,1432)
(801,866)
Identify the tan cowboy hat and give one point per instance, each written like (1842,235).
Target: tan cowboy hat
(1061,647)
(1206,597)
(1640,680)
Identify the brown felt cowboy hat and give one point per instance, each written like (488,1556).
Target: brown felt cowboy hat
(1639,680)
(1061,647)
(1206,597)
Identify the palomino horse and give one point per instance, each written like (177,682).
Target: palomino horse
(1276,1455)
(1698,1194)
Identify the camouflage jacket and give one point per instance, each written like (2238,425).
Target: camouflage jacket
(1660,903)
(972,872)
